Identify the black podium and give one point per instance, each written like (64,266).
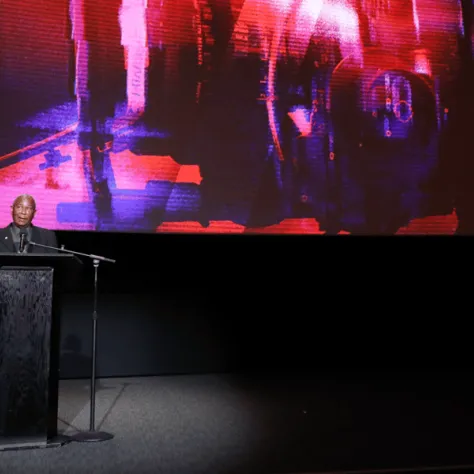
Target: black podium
(29,347)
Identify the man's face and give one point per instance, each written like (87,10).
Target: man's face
(23,211)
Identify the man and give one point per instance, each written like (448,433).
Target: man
(23,212)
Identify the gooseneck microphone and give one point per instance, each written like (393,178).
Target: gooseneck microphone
(21,249)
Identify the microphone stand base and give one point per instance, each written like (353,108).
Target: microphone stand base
(91,437)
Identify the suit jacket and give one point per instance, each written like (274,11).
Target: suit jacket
(38,235)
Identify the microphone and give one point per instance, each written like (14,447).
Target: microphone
(22,241)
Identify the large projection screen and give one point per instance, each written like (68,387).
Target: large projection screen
(232,116)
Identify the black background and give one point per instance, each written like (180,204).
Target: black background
(218,303)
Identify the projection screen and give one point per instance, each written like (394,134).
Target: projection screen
(232,116)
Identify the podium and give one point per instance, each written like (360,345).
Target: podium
(29,347)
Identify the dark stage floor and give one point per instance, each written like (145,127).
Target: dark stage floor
(264,424)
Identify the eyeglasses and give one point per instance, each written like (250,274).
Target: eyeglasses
(26,209)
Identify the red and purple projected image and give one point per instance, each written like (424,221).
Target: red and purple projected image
(231,116)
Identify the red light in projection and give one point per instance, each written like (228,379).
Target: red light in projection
(422,62)
(408,112)
(302,123)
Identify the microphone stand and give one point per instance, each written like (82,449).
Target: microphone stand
(92,435)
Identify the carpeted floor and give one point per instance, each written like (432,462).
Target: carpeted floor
(223,424)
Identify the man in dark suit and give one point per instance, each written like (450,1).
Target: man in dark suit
(23,212)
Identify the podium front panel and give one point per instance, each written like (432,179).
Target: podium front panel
(26,304)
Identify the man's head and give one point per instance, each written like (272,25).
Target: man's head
(23,210)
